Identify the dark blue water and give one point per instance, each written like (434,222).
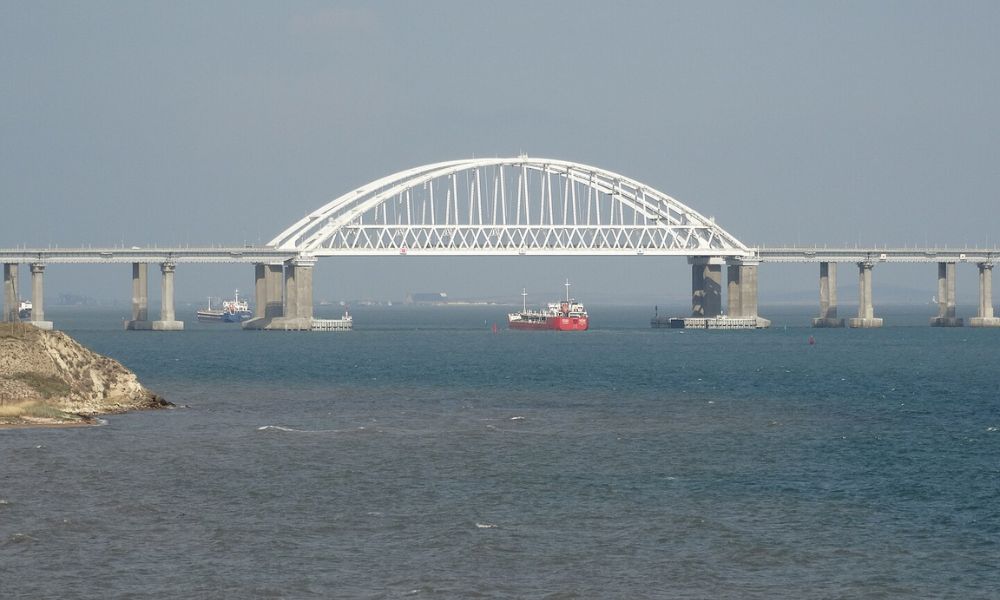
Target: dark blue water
(423,456)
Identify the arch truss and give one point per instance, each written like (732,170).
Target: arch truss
(507,206)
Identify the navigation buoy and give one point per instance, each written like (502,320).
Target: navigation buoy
(812,341)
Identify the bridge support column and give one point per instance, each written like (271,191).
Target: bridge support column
(985,316)
(260,290)
(168,321)
(268,283)
(296,312)
(866,318)
(946,297)
(748,293)
(273,276)
(828,297)
(734,300)
(291,304)
(742,292)
(303,280)
(11,300)
(37,297)
(140,298)
(706,286)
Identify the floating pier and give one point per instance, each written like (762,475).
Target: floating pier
(717,322)
(332,324)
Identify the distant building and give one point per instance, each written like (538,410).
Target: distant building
(426,298)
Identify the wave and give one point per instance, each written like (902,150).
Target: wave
(293,430)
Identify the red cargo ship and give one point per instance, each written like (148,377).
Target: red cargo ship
(568,315)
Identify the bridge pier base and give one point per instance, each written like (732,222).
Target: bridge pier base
(295,311)
(741,297)
(37,297)
(828,297)
(11,300)
(168,321)
(706,296)
(268,305)
(985,317)
(866,318)
(140,300)
(946,297)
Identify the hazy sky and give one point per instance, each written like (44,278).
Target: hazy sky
(224,122)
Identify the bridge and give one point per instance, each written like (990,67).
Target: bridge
(516,206)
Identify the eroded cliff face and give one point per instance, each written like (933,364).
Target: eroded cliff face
(52,370)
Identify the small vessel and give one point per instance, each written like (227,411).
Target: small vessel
(232,311)
(568,315)
(24,309)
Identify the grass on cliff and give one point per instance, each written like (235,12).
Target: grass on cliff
(47,386)
(34,409)
(14,330)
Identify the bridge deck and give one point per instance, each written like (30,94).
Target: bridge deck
(257,254)
(236,254)
(889,255)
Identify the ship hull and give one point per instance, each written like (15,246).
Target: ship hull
(237,317)
(210,316)
(551,324)
(221,316)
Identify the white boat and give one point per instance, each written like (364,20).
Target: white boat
(24,309)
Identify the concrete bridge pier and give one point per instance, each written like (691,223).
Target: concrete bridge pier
(260,290)
(269,295)
(706,286)
(11,301)
(828,297)
(37,297)
(287,307)
(140,298)
(946,297)
(741,297)
(168,321)
(985,316)
(866,318)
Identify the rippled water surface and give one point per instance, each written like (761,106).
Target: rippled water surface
(423,456)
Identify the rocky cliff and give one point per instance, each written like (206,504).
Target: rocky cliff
(46,377)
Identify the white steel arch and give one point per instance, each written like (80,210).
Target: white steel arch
(506,206)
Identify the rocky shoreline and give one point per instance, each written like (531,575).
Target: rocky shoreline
(48,379)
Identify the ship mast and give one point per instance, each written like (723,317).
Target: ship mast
(524,300)
(567,290)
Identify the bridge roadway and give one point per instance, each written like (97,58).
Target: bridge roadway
(284,279)
(265,254)
(117,255)
(808,254)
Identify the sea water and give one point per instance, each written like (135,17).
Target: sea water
(422,455)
